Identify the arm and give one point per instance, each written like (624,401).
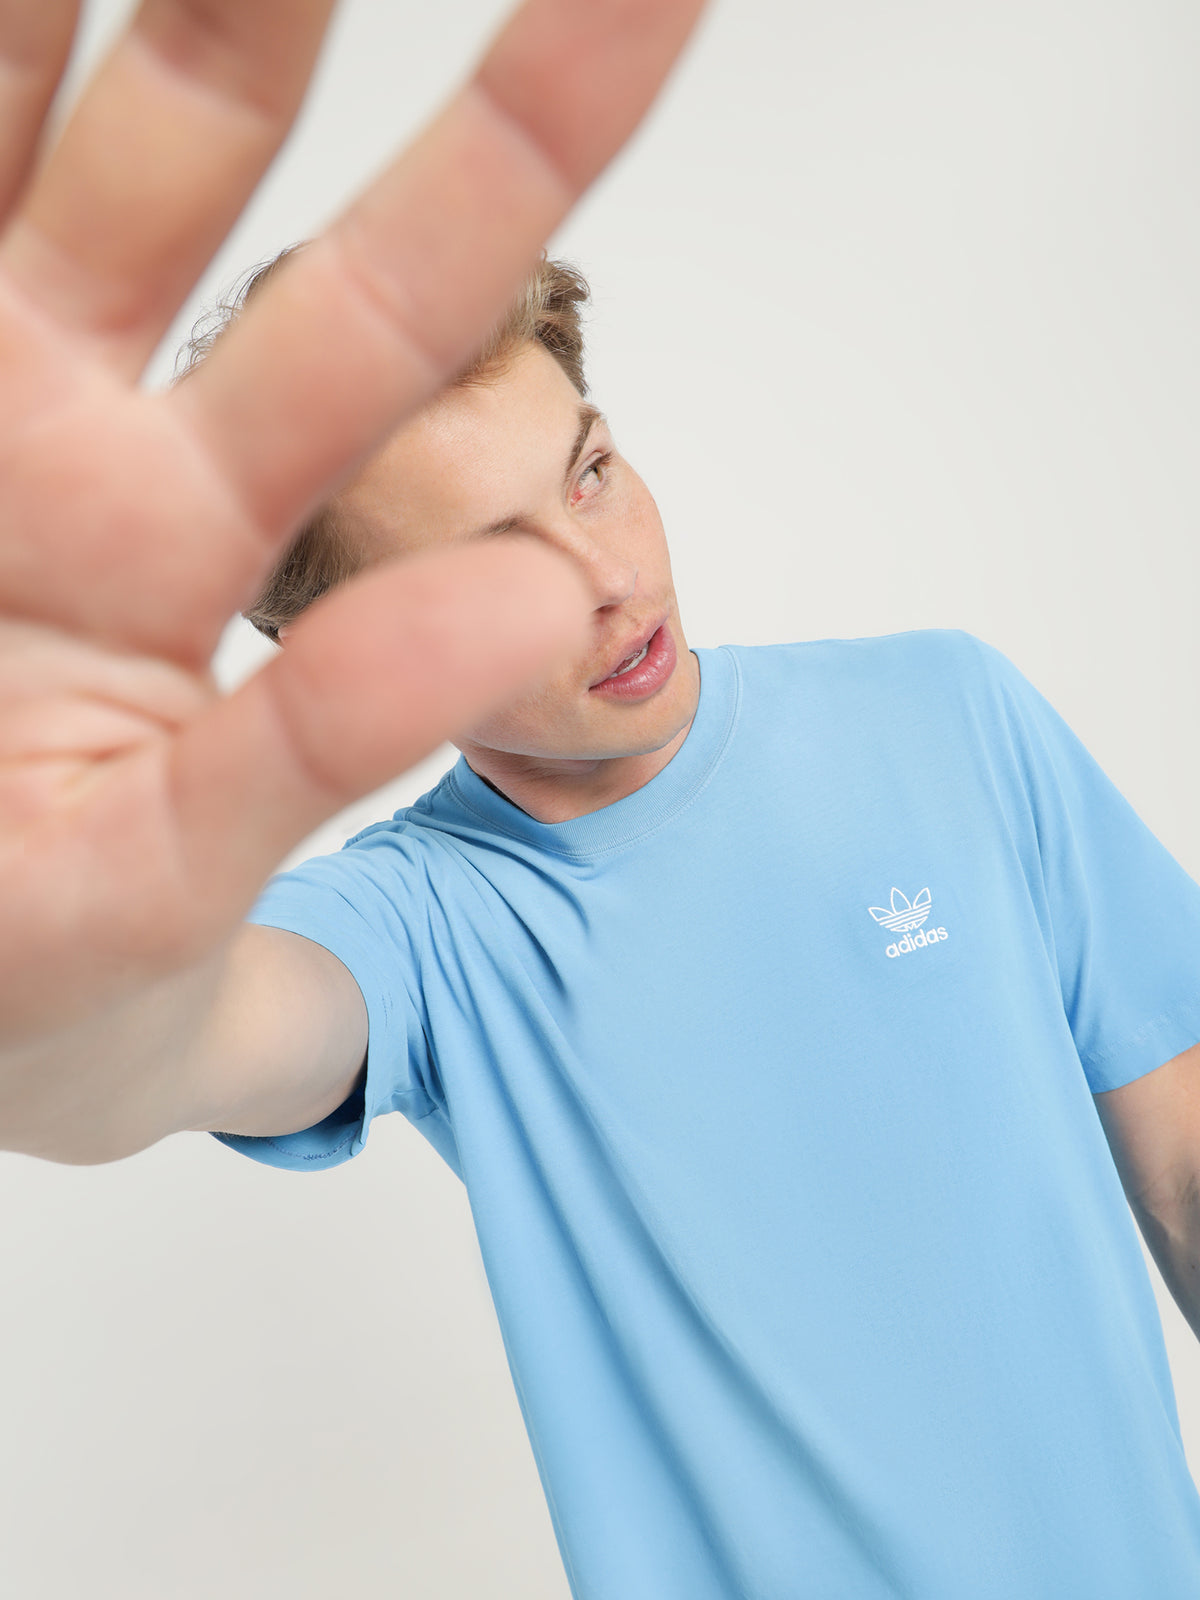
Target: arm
(1153,1130)
(141,810)
(267,1036)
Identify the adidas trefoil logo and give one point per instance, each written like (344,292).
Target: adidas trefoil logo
(906,917)
(905,913)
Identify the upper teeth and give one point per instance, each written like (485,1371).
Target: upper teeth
(632,662)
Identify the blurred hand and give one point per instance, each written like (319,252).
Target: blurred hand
(140,810)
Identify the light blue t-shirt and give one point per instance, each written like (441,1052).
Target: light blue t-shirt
(771,1086)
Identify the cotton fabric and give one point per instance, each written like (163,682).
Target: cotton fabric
(771,1085)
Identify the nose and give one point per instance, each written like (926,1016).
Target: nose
(609,576)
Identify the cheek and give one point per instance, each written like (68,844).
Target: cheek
(639,516)
(518,724)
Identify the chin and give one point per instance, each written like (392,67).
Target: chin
(604,732)
(612,745)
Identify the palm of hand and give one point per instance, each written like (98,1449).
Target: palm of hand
(139,809)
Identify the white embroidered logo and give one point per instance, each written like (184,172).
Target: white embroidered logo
(905,917)
(905,914)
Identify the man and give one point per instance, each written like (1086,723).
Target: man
(760,996)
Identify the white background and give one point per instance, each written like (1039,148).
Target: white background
(896,312)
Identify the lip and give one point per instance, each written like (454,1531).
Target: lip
(639,641)
(650,673)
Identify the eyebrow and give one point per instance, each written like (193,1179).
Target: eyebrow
(588,417)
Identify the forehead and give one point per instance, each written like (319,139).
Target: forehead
(474,455)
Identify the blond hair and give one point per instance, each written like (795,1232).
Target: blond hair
(547,311)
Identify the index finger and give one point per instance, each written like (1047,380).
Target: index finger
(363,326)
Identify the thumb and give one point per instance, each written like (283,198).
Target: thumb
(372,679)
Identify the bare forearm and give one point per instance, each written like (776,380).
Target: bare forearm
(266,1036)
(106,1087)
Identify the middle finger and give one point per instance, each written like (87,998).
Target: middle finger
(164,148)
(366,323)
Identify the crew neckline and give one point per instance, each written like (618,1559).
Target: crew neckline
(646,808)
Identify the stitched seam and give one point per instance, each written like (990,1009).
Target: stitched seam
(1182,1014)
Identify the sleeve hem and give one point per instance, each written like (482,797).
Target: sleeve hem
(1156,1042)
(282,1155)
(343,1134)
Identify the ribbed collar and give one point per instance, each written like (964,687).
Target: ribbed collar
(638,813)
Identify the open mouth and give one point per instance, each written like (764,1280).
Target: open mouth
(629,664)
(644,672)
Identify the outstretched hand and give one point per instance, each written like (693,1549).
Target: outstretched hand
(140,810)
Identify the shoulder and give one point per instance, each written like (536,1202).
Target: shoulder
(944,664)
(376,876)
(405,841)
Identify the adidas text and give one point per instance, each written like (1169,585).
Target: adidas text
(914,941)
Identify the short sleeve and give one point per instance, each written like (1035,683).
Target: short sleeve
(1120,916)
(363,905)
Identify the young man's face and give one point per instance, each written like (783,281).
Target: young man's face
(522,453)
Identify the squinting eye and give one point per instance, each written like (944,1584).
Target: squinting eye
(597,467)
